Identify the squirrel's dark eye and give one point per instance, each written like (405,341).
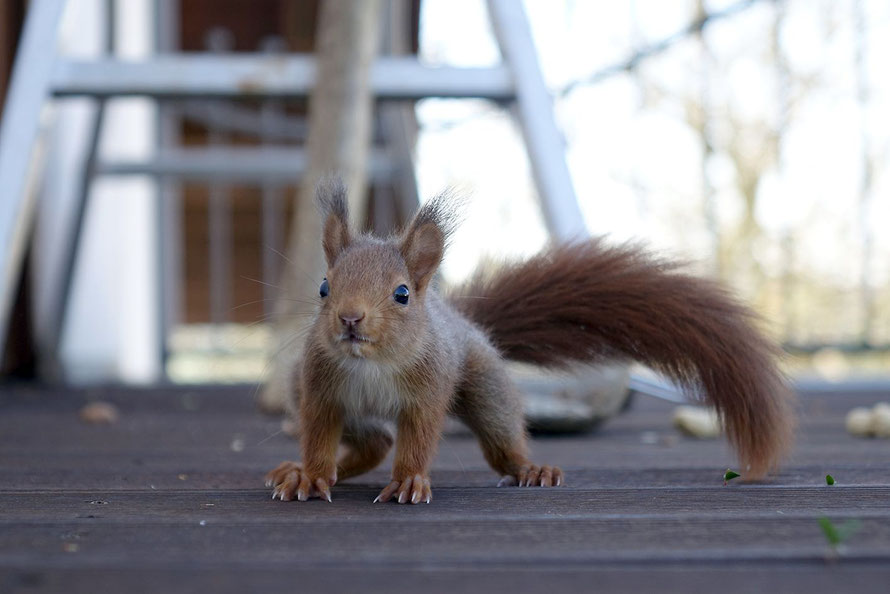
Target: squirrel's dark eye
(324,289)
(401,295)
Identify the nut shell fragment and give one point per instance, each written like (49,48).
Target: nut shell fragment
(870,422)
(859,421)
(880,420)
(99,413)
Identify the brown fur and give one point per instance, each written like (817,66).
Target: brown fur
(589,302)
(371,360)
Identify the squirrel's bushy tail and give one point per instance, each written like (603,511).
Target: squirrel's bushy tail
(587,302)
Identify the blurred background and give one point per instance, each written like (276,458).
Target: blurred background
(750,138)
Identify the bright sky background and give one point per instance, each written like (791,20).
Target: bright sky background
(636,163)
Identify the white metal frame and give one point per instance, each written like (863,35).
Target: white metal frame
(20,130)
(534,105)
(182,76)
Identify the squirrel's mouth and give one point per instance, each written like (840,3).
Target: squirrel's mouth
(354,343)
(354,337)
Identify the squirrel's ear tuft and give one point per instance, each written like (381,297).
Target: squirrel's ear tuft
(423,243)
(330,194)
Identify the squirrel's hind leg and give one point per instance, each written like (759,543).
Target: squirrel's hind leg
(367,444)
(490,404)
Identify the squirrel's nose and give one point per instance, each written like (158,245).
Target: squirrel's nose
(351,319)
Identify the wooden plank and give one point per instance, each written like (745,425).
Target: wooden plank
(167,471)
(195,430)
(353,505)
(596,454)
(408,541)
(813,578)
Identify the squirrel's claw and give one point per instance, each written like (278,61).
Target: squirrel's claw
(532,475)
(388,491)
(291,482)
(324,490)
(413,490)
(507,481)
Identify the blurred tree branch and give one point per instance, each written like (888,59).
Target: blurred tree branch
(696,27)
(340,111)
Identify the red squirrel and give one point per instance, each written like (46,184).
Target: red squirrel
(386,347)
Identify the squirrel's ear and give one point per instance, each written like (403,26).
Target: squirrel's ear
(423,244)
(422,248)
(331,197)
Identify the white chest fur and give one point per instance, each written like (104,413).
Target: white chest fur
(370,389)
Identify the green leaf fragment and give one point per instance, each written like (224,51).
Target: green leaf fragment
(835,535)
(829,479)
(729,475)
(830,532)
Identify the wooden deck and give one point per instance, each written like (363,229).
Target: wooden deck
(170,499)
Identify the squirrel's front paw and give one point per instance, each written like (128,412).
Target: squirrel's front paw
(289,479)
(413,489)
(531,475)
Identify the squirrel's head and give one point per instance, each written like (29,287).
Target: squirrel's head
(373,296)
